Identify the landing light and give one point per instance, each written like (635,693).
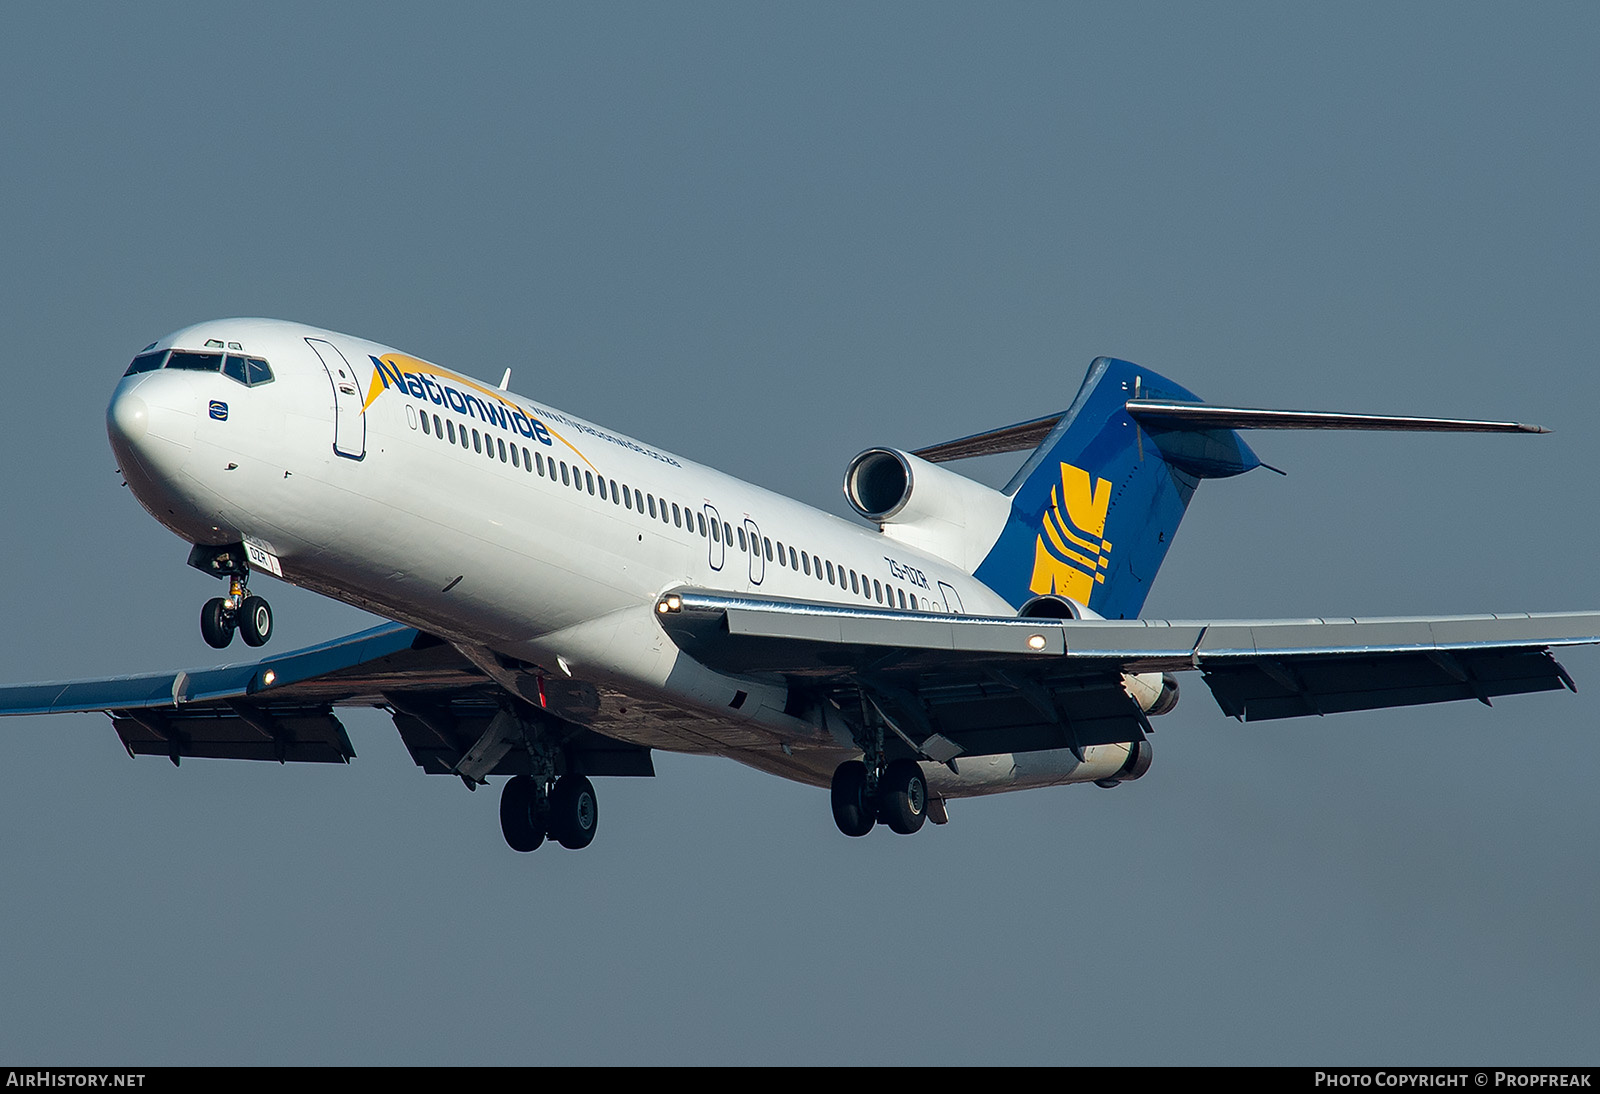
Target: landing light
(669,604)
(1036,641)
(268,677)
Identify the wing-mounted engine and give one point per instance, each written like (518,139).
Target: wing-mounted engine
(926,506)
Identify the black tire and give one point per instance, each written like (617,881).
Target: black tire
(574,812)
(255,621)
(519,817)
(903,797)
(853,811)
(215,626)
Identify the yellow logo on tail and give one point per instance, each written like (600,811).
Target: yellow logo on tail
(1071,553)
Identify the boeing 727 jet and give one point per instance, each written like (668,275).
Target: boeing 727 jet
(565,599)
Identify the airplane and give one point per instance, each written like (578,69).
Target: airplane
(564,599)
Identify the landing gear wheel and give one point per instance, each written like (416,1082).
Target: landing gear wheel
(215,625)
(519,818)
(573,812)
(903,797)
(853,810)
(255,621)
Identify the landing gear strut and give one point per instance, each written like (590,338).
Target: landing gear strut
(530,810)
(250,615)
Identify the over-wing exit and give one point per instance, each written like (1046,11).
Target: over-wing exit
(566,599)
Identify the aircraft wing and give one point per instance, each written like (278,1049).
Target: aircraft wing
(985,685)
(282,708)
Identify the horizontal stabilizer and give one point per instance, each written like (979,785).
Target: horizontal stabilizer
(1022,437)
(1163,414)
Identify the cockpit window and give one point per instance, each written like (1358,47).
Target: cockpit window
(146,362)
(198,362)
(249,371)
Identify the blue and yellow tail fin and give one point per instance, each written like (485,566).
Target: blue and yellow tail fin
(1096,505)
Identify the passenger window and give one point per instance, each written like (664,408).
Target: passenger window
(830,573)
(877,590)
(727,534)
(538,462)
(853,586)
(627,497)
(638,499)
(805,561)
(766,547)
(602,488)
(794,563)
(516,458)
(716,532)
(146,362)
(425,424)
(501,445)
(677,517)
(565,481)
(438,429)
(259,371)
(452,427)
(614,499)
(743,546)
(477,442)
(233,369)
(651,498)
(700,519)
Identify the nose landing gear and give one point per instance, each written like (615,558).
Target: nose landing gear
(250,615)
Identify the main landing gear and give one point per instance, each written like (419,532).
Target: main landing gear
(250,615)
(897,796)
(531,809)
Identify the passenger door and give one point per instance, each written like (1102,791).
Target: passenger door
(349,418)
(758,561)
(714,542)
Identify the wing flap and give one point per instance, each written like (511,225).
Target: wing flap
(285,736)
(1291,687)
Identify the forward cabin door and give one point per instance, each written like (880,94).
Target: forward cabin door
(349,422)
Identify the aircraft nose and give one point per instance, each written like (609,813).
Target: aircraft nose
(127,418)
(150,423)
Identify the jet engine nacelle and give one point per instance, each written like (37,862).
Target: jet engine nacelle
(925,506)
(1140,755)
(1155,692)
(1053,606)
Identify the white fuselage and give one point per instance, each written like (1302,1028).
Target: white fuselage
(347,483)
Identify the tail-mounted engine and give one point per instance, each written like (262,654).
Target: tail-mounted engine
(925,506)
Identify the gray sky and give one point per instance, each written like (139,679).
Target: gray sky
(767,237)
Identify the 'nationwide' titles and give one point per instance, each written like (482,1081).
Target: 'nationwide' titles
(420,385)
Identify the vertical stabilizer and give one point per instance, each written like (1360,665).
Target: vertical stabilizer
(1095,507)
